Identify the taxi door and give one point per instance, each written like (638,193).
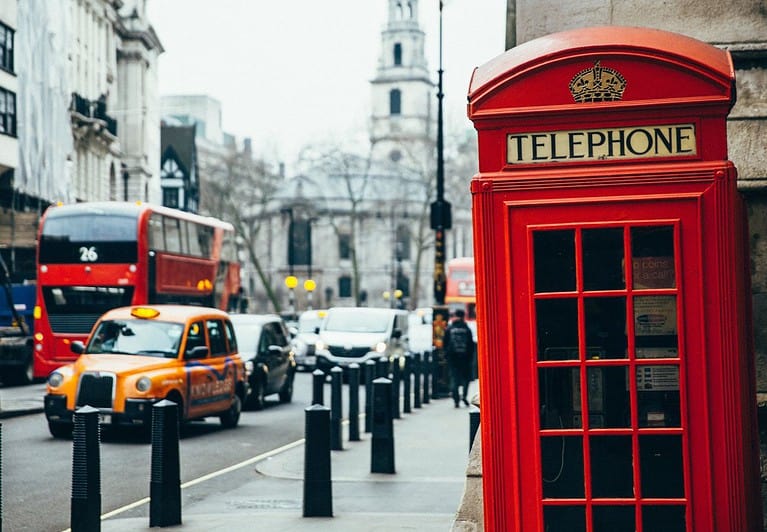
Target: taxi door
(210,380)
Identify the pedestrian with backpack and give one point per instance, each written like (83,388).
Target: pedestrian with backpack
(459,350)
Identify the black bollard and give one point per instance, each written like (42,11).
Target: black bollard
(382,369)
(417,380)
(165,482)
(370,375)
(395,387)
(426,372)
(336,407)
(354,401)
(382,444)
(473,424)
(318,489)
(318,387)
(406,371)
(86,471)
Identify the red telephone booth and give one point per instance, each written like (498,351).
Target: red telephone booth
(616,366)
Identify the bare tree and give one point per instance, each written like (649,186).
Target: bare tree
(353,173)
(239,191)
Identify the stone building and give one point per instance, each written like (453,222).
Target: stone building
(86,109)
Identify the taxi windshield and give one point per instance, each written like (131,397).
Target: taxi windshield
(136,337)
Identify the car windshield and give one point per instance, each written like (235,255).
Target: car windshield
(247,335)
(364,322)
(308,325)
(136,337)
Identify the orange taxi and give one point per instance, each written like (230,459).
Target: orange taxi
(136,356)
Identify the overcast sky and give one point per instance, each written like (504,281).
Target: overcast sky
(289,72)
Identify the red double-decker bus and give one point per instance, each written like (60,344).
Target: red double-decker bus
(92,257)
(460,290)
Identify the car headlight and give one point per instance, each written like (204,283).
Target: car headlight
(319,345)
(143,384)
(55,379)
(380,347)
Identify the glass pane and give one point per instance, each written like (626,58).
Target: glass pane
(557,327)
(562,466)
(608,396)
(606,325)
(615,519)
(658,396)
(660,461)
(611,467)
(554,259)
(564,519)
(655,327)
(603,259)
(560,398)
(652,250)
(666,518)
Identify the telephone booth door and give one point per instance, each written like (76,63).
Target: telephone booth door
(614,313)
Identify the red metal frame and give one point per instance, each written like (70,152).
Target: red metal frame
(670,80)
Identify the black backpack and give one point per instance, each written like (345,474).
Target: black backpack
(459,342)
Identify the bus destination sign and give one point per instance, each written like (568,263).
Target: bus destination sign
(601,144)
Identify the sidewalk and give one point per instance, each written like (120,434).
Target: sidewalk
(431,454)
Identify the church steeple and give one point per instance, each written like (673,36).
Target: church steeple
(402,91)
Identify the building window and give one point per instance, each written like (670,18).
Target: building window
(171,170)
(397,54)
(344,246)
(300,252)
(395,102)
(403,243)
(345,286)
(170,197)
(7,112)
(6,47)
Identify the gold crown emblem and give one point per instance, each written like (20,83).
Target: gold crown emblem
(597,84)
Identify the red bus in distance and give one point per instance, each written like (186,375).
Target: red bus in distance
(92,257)
(460,290)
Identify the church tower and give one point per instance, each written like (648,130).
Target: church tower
(402,128)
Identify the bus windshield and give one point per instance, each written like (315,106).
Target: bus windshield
(88,237)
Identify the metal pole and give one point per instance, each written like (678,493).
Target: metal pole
(354,401)
(336,374)
(85,513)
(318,488)
(165,483)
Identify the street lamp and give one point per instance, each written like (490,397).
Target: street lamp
(291,281)
(309,286)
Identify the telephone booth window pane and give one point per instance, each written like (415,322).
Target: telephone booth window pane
(611,467)
(560,398)
(554,259)
(655,327)
(564,519)
(562,467)
(661,466)
(658,396)
(557,326)
(603,259)
(666,518)
(606,325)
(615,519)
(608,396)
(652,251)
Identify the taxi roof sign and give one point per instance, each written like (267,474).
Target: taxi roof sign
(144,313)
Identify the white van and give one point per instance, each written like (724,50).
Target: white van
(359,334)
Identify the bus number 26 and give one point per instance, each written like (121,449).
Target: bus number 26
(88,254)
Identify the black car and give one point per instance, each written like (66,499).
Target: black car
(264,346)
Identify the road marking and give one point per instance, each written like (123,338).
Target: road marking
(209,476)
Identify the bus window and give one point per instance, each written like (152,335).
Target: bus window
(194,239)
(156,235)
(205,236)
(172,235)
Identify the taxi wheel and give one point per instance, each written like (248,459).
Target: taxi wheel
(256,398)
(60,430)
(231,417)
(286,392)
